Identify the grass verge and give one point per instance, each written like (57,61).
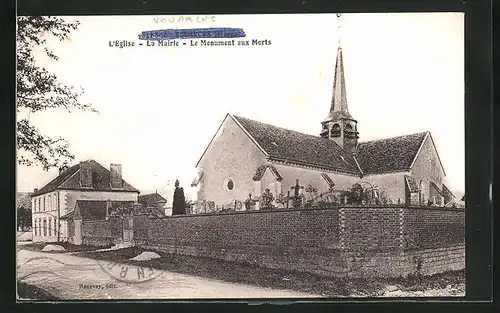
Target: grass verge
(276,278)
(29,292)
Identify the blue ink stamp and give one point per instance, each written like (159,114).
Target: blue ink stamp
(191,33)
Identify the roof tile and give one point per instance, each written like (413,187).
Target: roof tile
(67,180)
(389,155)
(151,199)
(298,148)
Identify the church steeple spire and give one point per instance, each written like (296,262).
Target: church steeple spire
(339,124)
(339,96)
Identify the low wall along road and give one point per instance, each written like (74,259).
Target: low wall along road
(386,241)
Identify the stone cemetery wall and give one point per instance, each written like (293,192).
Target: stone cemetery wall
(350,241)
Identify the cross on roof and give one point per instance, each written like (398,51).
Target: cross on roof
(339,25)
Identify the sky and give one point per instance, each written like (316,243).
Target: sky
(160,106)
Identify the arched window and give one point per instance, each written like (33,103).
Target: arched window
(335,132)
(50,226)
(44,226)
(349,131)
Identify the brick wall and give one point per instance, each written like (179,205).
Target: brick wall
(116,226)
(368,229)
(141,228)
(349,241)
(433,228)
(97,233)
(96,229)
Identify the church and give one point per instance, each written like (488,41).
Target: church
(247,158)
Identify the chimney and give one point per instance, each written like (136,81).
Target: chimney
(85,174)
(116,175)
(35,190)
(63,168)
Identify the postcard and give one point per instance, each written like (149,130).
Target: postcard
(282,156)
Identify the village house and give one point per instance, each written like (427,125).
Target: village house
(82,190)
(157,202)
(246,157)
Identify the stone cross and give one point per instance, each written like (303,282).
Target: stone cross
(297,188)
(296,199)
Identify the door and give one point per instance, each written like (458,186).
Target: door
(77,239)
(128,229)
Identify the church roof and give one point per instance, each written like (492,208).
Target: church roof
(396,154)
(297,148)
(69,180)
(390,154)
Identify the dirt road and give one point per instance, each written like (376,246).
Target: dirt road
(70,277)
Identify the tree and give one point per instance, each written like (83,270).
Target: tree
(39,90)
(23,217)
(179,203)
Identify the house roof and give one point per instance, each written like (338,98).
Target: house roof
(68,216)
(297,148)
(390,154)
(94,209)
(70,180)
(151,199)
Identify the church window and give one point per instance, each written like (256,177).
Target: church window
(230,185)
(349,131)
(335,132)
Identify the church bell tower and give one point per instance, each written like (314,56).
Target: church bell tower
(339,125)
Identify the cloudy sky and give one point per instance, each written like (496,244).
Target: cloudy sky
(160,106)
